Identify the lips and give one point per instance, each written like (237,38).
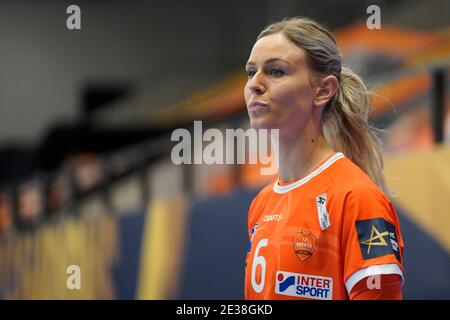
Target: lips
(257,105)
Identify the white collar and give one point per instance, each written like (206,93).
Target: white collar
(283,189)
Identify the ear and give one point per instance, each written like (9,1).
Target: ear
(325,90)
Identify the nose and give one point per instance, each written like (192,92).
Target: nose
(256,84)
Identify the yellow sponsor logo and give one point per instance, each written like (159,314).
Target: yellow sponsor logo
(376,239)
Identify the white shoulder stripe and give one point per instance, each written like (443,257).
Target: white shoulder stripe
(371,271)
(283,189)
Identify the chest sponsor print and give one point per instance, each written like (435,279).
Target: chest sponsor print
(304,285)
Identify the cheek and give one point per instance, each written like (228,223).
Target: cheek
(246,94)
(294,97)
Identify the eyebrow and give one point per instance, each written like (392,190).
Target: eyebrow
(271,60)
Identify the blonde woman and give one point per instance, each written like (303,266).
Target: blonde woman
(324,229)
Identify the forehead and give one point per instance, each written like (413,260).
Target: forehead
(276,46)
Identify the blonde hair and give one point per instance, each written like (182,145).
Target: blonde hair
(345,119)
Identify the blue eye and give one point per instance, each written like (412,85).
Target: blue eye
(250,73)
(277,73)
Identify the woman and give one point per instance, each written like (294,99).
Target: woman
(324,229)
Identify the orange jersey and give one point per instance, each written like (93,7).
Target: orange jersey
(317,237)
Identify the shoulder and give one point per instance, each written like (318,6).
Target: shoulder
(265,192)
(356,193)
(349,180)
(358,197)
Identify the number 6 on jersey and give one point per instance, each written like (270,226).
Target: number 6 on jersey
(259,260)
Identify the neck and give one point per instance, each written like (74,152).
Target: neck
(300,153)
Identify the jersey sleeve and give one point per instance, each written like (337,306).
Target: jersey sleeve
(371,241)
(389,288)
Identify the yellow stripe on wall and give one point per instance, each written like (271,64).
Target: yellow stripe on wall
(161,249)
(33,264)
(420,182)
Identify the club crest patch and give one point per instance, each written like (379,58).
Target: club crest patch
(304,244)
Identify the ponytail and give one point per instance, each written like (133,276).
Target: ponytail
(346,126)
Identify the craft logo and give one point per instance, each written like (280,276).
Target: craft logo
(272,217)
(304,244)
(304,285)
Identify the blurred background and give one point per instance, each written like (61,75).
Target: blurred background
(86,116)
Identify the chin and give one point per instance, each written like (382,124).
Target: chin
(261,123)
